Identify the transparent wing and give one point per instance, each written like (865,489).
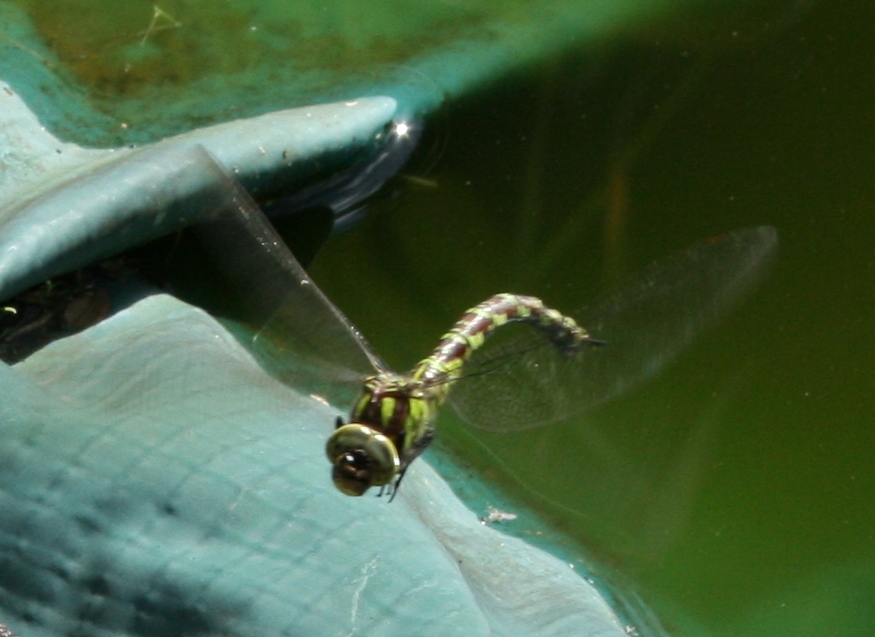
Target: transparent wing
(305,340)
(524,383)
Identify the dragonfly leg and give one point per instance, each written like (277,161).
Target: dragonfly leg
(394,486)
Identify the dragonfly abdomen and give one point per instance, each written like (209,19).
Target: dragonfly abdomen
(470,332)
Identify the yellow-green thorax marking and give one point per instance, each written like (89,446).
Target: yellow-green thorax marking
(392,422)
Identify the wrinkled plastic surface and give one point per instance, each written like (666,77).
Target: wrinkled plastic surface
(155,481)
(63,206)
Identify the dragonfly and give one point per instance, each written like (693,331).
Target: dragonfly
(564,364)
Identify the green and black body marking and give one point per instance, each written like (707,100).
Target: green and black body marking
(392,422)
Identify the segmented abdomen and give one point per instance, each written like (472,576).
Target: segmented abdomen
(470,332)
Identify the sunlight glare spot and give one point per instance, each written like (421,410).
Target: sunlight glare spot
(402,129)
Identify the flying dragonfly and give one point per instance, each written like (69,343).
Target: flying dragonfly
(565,364)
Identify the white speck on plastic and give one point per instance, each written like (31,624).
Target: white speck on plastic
(494,516)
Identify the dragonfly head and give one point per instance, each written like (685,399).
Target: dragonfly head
(362,458)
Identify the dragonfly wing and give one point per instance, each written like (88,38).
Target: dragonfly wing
(524,383)
(305,339)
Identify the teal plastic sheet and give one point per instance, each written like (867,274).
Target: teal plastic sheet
(66,206)
(156,481)
(104,72)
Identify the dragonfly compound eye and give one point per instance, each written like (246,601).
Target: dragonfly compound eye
(362,458)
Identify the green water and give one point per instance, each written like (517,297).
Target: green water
(733,493)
